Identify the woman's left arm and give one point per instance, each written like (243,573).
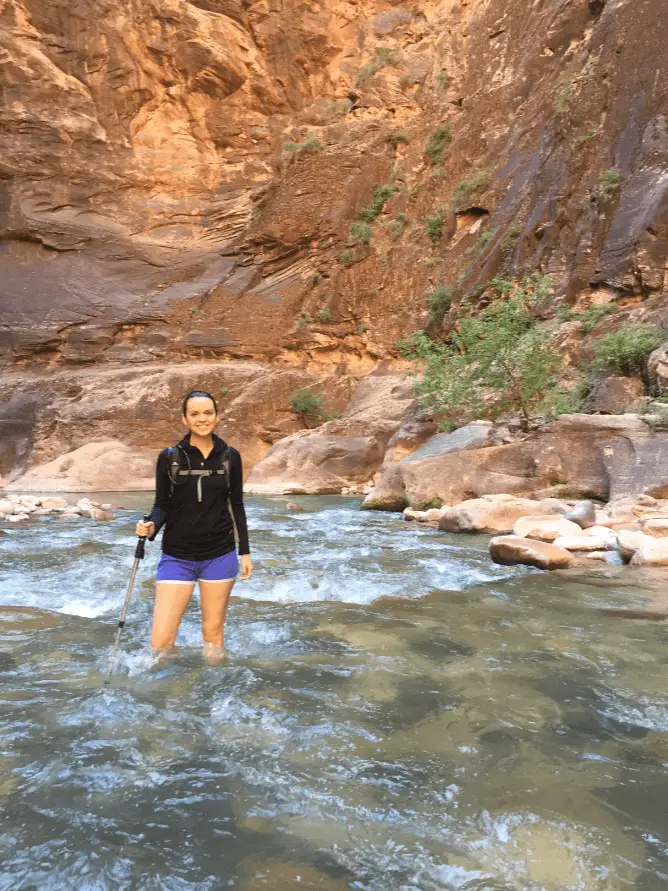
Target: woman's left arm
(239,512)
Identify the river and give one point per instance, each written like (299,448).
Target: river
(396,714)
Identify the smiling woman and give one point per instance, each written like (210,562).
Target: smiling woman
(199,501)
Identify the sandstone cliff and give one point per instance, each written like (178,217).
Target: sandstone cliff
(178,182)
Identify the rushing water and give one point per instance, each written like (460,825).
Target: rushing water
(396,714)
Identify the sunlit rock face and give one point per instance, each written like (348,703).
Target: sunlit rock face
(150,210)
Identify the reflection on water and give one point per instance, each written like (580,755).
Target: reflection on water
(397,714)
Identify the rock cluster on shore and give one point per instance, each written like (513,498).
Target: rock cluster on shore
(20,508)
(555,534)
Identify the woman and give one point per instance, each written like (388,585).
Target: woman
(195,482)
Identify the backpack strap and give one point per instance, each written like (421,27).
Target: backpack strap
(175,470)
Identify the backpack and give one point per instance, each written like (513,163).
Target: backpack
(176,453)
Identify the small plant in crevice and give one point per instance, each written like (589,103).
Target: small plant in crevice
(361,231)
(346,257)
(324,315)
(315,278)
(383,57)
(397,139)
(304,320)
(608,183)
(441,80)
(396,227)
(381,195)
(475,184)
(562,97)
(434,226)
(439,302)
(310,144)
(484,239)
(438,143)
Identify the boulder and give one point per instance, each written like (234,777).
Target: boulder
(579,456)
(389,493)
(615,395)
(650,551)
(100,515)
(6,508)
(657,528)
(509,550)
(491,515)
(545,528)
(629,540)
(341,453)
(584,514)
(53,503)
(657,369)
(585,542)
(99,466)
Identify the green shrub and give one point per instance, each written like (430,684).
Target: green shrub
(475,184)
(324,315)
(439,302)
(310,144)
(361,231)
(396,227)
(497,361)
(441,80)
(304,320)
(306,404)
(434,226)
(346,258)
(626,351)
(561,97)
(608,183)
(484,239)
(381,194)
(338,107)
(593,314)
(438,143)
(383,57)
(395,139)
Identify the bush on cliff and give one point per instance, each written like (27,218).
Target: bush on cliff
(497,361)
(306,405)
(627,350)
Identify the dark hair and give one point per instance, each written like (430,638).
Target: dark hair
(193,395)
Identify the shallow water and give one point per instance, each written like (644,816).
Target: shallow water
(396,714)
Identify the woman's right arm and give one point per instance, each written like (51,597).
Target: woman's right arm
(163,493)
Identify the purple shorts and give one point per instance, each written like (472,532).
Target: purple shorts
(220,569)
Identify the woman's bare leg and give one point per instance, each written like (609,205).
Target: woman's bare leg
(215,597)
(171,600)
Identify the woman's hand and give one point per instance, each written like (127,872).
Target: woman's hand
(246,567)
(145,530)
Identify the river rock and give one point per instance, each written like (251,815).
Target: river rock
(657,527)
(491,515)
(545,528)
(509,550)
(629,540)
(650,551)
(584,514)
(6,508)
(54,503)
(101,515)
(585,542)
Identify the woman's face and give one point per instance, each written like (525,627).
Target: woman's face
(200,417)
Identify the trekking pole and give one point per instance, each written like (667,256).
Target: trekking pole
(139,555)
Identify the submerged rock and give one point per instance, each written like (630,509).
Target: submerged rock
(510,550)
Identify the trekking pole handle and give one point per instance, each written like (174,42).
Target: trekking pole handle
(141,541)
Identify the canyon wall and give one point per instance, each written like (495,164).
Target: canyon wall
(178,183)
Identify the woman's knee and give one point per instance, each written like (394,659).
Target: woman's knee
(212,631)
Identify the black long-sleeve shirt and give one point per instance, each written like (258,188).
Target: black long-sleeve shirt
(200,530)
